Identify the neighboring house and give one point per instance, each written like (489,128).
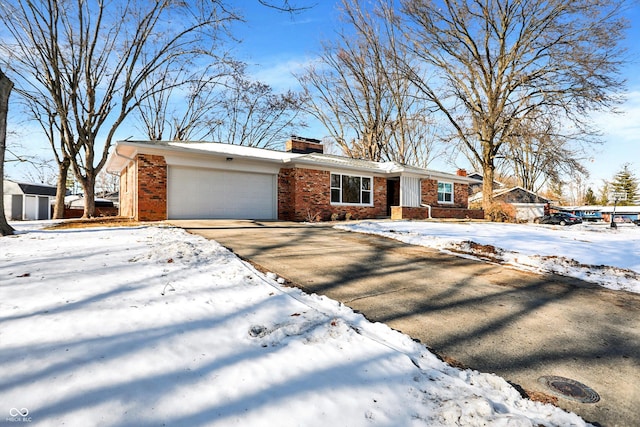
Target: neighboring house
(182,180)
(603,213)
(28,201)
(476,186)
(74,207)
(112,196)
(623,213)
(527,204)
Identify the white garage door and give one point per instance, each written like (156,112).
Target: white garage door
(206,193)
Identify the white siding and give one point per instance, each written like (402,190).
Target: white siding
(528,211)
(30,207)
(410,191)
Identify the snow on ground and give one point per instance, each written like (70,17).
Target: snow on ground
(152,326)
(592,252)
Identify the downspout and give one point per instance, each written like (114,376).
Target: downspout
(428,207)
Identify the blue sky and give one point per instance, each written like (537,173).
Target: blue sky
(279,43)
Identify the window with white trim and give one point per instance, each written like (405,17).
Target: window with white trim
(351,190)
(445,192)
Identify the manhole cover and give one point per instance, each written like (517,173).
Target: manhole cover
(569,389)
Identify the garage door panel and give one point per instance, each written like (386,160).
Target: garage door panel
(206,193)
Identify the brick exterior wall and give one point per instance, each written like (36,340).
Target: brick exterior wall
(457,213)
(151,188)
(305,194)
(143,189)
(286,189)
(429,190)
(398,212)
(99,212)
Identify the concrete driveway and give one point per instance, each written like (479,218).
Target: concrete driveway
(491,318)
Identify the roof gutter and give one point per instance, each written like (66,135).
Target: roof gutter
(115,151)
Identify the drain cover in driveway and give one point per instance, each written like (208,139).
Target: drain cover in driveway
(569,389)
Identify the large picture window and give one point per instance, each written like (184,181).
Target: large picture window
(445,192)
(351,190)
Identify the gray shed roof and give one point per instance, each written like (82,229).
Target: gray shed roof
(29,188)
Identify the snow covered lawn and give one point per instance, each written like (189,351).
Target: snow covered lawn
(591,252)
(153,326)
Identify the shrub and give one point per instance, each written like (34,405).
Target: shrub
(501,212)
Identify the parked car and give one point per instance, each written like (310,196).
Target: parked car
(626,219)
(560,218)
(622,219)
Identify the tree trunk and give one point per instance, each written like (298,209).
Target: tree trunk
(488,174)
(61,188)
(5,90)
(89,189)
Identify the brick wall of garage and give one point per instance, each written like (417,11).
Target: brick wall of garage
(286,190)
(305,194)
(152,188)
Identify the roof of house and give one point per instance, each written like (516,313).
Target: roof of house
(479,178)
(78,202)
(512,195)
(600,208)
(124,152)
(621,209)
(30,188)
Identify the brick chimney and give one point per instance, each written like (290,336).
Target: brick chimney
(301,145)
(461,172)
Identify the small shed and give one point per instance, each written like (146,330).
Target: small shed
(27,201)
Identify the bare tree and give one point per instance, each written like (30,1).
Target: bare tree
(357,92)
(107,183)
(487,66)
(222,103)
(286,6)
(251,114)
(183,110)
(575,189)
(537,153)
(57,133)
(5,91)
(82,63)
